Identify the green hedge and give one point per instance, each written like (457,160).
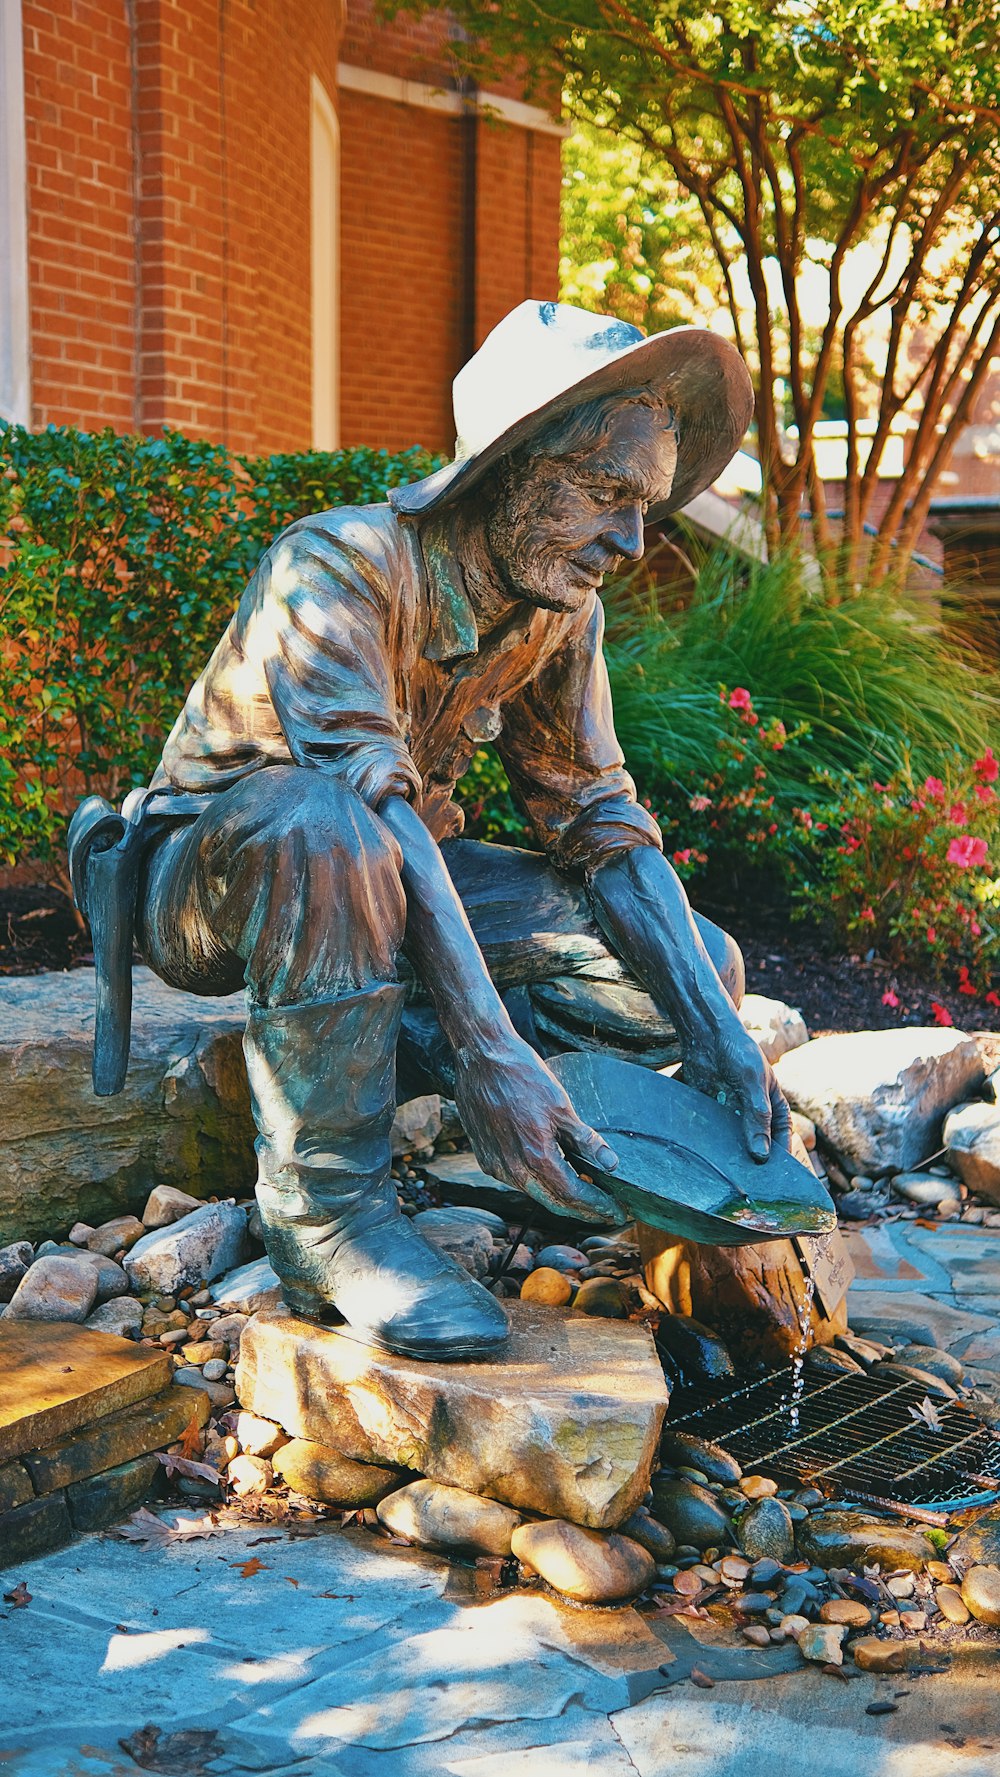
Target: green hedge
(121,559)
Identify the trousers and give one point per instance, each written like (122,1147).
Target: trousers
(289,885)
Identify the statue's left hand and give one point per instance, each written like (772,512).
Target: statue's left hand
(723,1061)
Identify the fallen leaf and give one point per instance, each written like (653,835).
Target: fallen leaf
(833,1671)
(292,1582)
(19,1597)
(927,1413)
(190,1440)
(882,1707)
(701,1679)
(183,1754)
(182,1465)
(249,1568)
(145,1527)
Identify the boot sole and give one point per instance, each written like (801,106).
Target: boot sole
(458,1350)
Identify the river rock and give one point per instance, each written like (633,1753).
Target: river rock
(849,1611)
(701,1354)
(111,1237)
(122,1315)
(201,1246)
(979,1544)
(777,1028)
(166,1204)
(643,1528)
(566,1421)
(765,1528)
(317,1472)
(932,1362)
(874,1655)
(981,1594)
(247,1290)
(846,1539)
(562,1258)
(437,1517)
(584,1564)
(182,1119)
(691,1513)
(826,1360)
(259,1437)
(55,1288)
(601,1296)
(923,1189)
(14,1262)
(549,1287)
(822,1642)
(951,1604)
(972,1138)
(680,1447)
(470,1244)
(417,1124)
(878,1098)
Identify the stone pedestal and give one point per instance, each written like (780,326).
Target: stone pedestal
(566,1424)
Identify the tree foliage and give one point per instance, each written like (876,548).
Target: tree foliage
(803,130)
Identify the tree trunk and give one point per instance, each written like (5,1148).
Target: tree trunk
(754,1297)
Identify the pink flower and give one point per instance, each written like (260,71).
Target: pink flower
(740,699)
(698,804)
(941,1014)
(889,998)
(867,914)
(964,984)
(985,794)
(931,935)
(975,928)
(967,852)
(957,813)
(993,998)
(934,789)
(682,857)
(987,768)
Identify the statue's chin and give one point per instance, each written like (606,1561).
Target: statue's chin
(557,594)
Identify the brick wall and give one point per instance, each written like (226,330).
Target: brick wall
(168,147)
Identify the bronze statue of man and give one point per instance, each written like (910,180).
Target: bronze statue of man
(301,839)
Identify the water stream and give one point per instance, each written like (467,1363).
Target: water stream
(799,1354)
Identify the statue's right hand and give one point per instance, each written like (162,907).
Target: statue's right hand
(522,1127)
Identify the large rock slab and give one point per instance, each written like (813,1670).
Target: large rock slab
(183,1118)
(972,1138)
(57,1378)
(566,1423)
(878,1098)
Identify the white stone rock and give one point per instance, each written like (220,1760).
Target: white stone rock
(203,1245)
(877,1098)
(777,1028)
(922,1188)
(417,1124)
(55,1288)
(122,1315)
(184,1115)
(439,1517)
(468,1243)
(166,1205)
(972,1138)
(248,1289)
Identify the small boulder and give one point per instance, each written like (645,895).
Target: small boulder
(417,1124)
(590,1566)
(874,1655)
(14,1262)
(320,1473)
(111,1237)
(602,1296)
(122,1315)
(756,1486)
(470,1244)
(562,1258)
(923,1189)
(259,1437)
(775,1027)
(765,1529)
(249,1474)
(79,1234)
(166,1205)
(846,1539)
(438,1517)
(691,1513)
(643,1528)
(932,1362)
(822,1642)
(849,1611)
(55,1288)
(684,1448)
(972,1138)
(247,1290)
(548,1286)
(981,1594)
(196,1249)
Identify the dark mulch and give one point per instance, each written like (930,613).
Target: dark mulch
(789,961)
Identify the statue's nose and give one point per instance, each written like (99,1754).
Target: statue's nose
(624,533)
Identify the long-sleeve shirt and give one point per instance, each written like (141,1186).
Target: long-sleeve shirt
(355,650)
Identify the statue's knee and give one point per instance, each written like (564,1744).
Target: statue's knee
(312,833)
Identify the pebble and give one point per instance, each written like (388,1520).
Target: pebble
(215,1369)
(872,1654)
(849,1611)
(174,1336)
(757,1635)
(714,1462)
(259,1437)
(755,1603)
(691,1513)
(590,1566)
(122,1316)
(766,1570)
(822,1642)
(601,1296)
(199,1351)
(220,1393)
(547,1285)
(940,1570)
(901,1585)
(55,1288)
(438,1517)
(922,1188)
(765,1528)
(826,1360)
(756,1486)
(320,1473)
(687,1583)
(249,1474)
(981,1594)
(914,1620)
(793,1625)
(166,1204)
(734,1569)
(561,1258)
(79,1233)
(643,1528)
(933,1362)
(227,1330)
(951,1604)
(111,1237)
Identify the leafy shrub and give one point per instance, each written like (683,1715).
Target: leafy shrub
(122,560)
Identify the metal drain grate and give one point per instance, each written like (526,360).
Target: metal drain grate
(853,1436)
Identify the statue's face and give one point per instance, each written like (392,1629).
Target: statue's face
(563,524)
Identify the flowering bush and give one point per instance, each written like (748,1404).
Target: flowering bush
(913,868)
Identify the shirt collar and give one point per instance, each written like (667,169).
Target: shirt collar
(453,632)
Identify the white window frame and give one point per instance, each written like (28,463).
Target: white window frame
(15,322)
(324,190)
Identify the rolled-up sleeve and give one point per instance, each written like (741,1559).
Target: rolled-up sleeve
(321,623)
(563,759)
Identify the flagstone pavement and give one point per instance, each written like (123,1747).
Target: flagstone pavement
(335,1655)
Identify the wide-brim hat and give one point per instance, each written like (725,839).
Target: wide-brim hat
(545,358)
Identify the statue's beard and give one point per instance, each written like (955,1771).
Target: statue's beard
(533,563)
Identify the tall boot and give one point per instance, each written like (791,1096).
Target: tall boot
(322,1080)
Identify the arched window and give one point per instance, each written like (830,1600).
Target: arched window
(325,200)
